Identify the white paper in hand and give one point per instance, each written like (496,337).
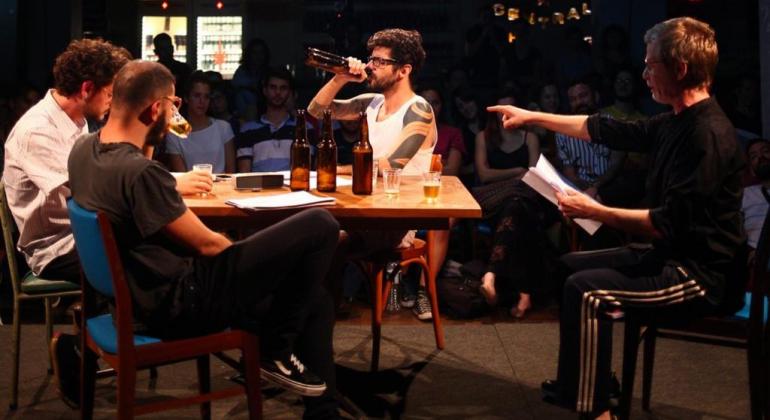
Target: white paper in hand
(544,179)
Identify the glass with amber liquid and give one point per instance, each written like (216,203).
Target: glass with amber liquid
(431,185)
(327,156)
(179,125)
(300,156)
(362,161)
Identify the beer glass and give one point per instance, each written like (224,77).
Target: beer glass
(178,125)
(391,181)
(431,185)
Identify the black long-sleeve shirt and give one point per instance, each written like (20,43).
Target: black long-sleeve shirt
(693,187)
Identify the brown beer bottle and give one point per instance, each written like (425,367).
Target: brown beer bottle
(325,60)
(362,161)
(327,157)
(300,156)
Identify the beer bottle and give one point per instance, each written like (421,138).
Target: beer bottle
(362,161)
(327,61)
(327,157)
(300,156)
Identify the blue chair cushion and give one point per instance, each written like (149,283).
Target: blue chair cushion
(32,284)
(744,313)
(104,333)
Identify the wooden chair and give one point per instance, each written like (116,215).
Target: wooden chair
(30,287)
(375,266)
(115,342)
(731,331)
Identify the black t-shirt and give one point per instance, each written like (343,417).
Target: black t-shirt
(693,186)
(139,198)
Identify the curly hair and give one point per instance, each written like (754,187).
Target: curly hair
(405,46)
(690,41)
(88,60)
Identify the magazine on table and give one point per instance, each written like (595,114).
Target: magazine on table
(544,179)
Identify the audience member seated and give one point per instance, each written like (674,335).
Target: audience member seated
(546,99)
(211,139)
(502,158)
(589,166)
(450,144)
(249,78)
(756,198)
(164,49)
(265,145)
(346,136)
(630,179)
(186,280)
(470,120)
(611,56)
(219,106)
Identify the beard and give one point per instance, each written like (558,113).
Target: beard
(380,85)
(762,171)
(158,131)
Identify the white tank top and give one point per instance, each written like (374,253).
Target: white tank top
(384,135)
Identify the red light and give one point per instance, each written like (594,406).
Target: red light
(220,5)
(164,5)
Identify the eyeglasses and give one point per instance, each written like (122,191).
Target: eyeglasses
(379,62)
(649,63)
(175,100)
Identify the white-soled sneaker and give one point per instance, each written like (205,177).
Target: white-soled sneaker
(422,308)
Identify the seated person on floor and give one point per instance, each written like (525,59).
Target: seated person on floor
(187,280)
(694,219)
(756,198)
(211,139)
(516,263)
(265,145)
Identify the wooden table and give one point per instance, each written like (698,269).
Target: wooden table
(408,210)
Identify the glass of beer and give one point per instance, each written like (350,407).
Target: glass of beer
(178,125)
(431,184)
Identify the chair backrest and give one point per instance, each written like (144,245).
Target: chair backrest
(89,231)
(102,266)
(9,227)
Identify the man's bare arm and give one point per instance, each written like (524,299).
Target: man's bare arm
(190,232)
(418,132)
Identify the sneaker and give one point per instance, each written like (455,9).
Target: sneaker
(422,307)
(291,374)
(407,298)
(66,367)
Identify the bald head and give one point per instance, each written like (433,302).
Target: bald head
(138,84)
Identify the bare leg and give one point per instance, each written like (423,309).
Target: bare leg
(525,303)
(488,288)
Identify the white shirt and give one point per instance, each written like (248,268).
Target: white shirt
(754,210)
(384,135)
(36,180)
(202,146)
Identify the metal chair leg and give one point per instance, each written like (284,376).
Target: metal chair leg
(49,331)
(15,355)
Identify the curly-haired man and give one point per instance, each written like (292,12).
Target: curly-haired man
(402,129)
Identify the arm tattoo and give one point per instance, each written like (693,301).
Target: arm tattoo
(418,132)
(343,109)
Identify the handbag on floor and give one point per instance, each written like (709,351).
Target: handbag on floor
(460,298)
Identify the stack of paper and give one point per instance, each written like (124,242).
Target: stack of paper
(288,200)
(544,179)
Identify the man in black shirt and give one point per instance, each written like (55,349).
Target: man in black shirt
(693,214)
(187,280)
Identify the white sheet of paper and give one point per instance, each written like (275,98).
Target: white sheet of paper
(544,179)
(277,201)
